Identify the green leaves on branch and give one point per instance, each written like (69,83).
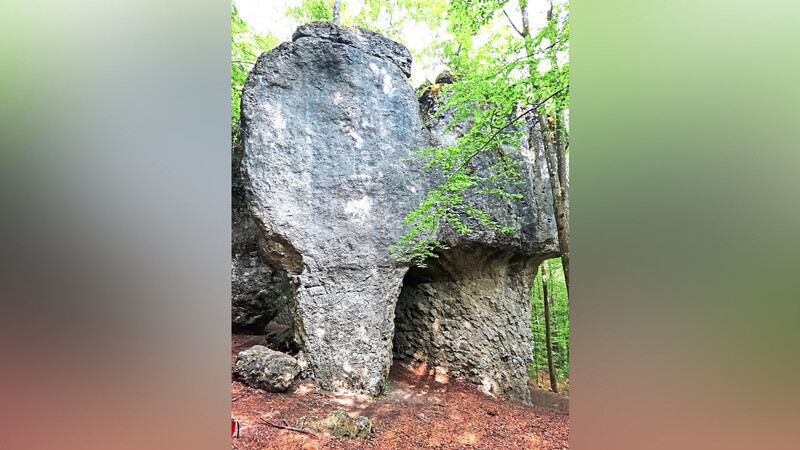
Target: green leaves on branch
(314,10)
(503,80)
(387,18)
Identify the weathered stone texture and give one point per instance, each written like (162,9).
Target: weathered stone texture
(262,368)
(338,424)
(326,129)
(474,325)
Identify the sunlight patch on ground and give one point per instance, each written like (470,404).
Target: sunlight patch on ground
(304,389)
(438,373)
(488,386)
(469,438)
(420,369)
(441,377)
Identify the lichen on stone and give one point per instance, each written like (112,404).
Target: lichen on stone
(338,424)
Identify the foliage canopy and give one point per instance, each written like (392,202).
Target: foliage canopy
(246,46)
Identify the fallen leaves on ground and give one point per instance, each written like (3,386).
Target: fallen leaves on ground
(419,412)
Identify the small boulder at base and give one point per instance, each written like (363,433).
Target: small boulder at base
(338,424)
(262,368)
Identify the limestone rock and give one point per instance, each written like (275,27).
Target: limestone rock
(364,40)
(328,121)
(468,311)
(531,217)
(445,78)
(338,424)
(262,368)
(326,127)
(466,341)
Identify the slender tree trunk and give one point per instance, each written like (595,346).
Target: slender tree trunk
(536,337)
(526,28)
(559,205)
(548,337)
(337,6)
(555,167)
(562,141)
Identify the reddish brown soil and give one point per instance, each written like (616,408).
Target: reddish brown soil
(421,411)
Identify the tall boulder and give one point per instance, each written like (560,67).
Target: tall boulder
(328,121)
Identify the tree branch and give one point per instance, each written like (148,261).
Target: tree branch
(298,430)
(496,133)
(521,58)
(512,23)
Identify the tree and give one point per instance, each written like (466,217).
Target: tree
(556,141)
(384,16)
(558,305)
(547,329)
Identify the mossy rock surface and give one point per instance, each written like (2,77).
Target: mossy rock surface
(338,424)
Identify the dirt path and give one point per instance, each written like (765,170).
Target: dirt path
(420,412)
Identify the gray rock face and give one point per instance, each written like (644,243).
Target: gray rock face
(262,368)
(364,40)
(532,217)
(327,120)
(326,129)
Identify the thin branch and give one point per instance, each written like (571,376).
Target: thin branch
(512,23)
(243,62)
(506,66)
(496,133)
(521,58)
(298,430)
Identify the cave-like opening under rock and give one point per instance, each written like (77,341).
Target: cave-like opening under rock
(468,316)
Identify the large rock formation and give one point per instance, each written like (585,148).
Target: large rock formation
(327,122)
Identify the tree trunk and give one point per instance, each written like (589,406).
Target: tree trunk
(559,205)
(548,337)
(337,6)
(555,167)
(536,337)
(562,142)
(526,28)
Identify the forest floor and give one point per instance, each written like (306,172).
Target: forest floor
(421,411)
